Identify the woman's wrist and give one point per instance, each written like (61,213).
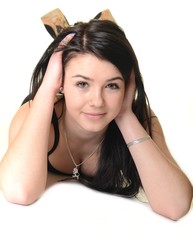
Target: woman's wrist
(48,91)
(139,140)
(126,121)
(131,128)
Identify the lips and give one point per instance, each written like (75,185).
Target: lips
(94,116)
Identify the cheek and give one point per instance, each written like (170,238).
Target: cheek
(115,103)
(72,101)
(119,104)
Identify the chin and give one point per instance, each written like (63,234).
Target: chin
(94,128)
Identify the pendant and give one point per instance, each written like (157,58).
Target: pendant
(75,173)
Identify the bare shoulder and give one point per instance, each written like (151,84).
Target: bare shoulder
(18,120)
(157,131)
(159,137)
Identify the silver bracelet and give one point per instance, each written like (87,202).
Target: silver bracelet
(139,140)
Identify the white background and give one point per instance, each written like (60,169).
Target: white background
(161,33)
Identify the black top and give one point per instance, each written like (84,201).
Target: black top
(56,141)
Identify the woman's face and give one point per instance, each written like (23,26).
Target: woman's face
(94,91)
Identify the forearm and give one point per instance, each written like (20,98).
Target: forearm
(24,167)
(166,186)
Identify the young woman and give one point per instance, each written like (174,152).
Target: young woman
(88,117)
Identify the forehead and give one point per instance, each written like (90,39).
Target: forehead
(89,63)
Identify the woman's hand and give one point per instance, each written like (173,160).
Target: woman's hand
(128,98)
(53,75)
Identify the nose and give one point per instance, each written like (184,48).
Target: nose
(96,98)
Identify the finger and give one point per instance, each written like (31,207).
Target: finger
(132,75)
(67,39)
(63,43)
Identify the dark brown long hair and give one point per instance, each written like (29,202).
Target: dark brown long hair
(117,172)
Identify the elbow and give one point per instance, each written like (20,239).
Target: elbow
(175,211)
(174,208)
(22,193)
(21,197)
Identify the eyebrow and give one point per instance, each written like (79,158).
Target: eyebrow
(90,79)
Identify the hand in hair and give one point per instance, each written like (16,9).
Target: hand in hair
(53,76)
(130,90)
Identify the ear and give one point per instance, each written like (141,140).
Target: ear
(59,95)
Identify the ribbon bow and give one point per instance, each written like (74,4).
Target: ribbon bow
(55,21)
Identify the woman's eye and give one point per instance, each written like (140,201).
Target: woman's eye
(82,84)
(113,86)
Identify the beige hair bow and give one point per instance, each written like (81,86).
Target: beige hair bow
(55,21)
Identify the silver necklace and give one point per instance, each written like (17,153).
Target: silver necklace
(75,171)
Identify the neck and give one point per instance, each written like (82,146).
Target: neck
(75,172)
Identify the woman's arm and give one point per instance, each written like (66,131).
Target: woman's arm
(23,169)
(168,190)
